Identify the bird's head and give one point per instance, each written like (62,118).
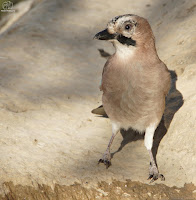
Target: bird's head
(127,30)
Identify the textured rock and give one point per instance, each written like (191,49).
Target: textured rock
(50,71)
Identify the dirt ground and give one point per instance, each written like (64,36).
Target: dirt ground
(50,70)
(116,191)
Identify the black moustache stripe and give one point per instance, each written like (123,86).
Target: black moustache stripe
(124,40)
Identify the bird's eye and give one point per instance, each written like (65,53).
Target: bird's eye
(128,26)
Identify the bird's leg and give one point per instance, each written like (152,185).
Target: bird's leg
(153,170)
(106,159)
(148,141)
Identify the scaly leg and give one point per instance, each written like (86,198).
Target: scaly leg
(106,159)
(148,141)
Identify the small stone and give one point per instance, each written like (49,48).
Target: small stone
(149,194)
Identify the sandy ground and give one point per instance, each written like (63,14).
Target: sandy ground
(50,72)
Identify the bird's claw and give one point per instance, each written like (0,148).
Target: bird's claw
(106,160)
(154,177)
(154,174)
(107,163)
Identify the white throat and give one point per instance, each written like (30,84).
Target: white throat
(124,51)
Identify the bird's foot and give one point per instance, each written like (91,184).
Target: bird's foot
(106,159)
(154,174)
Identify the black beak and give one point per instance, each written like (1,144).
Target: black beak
(104,35)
